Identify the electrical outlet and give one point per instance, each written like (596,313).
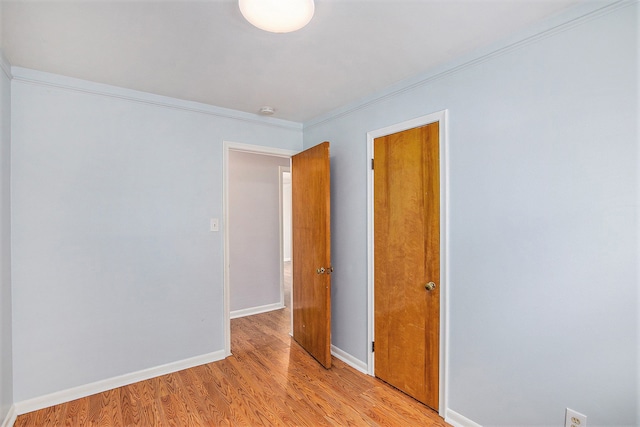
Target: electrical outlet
(575,419)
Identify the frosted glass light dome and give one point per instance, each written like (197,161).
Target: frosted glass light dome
(277,16)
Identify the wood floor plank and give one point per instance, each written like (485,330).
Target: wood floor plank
(130,397)
(269,380)
(151,415)
(268,395)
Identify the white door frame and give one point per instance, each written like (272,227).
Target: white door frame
(441,117)
(245,148)
(281,171)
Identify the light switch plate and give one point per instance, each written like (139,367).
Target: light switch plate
(215,224)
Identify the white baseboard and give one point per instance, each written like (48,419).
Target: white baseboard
(458,420)
(111,383)
(255,310)
(11,417)
(356,364)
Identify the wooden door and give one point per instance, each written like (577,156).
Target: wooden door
(407,258)
(311,247)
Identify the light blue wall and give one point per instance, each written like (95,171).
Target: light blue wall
(544,195)
(254,230)
(6,371)
(114,267)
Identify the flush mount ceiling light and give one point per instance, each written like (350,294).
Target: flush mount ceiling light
(277,16)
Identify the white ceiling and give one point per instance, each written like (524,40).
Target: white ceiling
(205,51)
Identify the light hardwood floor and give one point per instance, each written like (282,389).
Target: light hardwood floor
(269,380)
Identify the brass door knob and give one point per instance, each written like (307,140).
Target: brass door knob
(322,270)
(430,286)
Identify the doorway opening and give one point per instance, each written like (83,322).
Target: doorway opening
(285,227)
(439,119)
(254,269)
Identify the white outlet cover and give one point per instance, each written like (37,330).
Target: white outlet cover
(575,419)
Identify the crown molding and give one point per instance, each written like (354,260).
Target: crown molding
(558,23)
(41,78)
(5,65)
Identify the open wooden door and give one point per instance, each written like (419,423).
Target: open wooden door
(311,240)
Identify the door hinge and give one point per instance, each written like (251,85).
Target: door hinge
(372,164)
(373,346)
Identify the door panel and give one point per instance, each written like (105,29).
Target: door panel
(311,247)
(406,258)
